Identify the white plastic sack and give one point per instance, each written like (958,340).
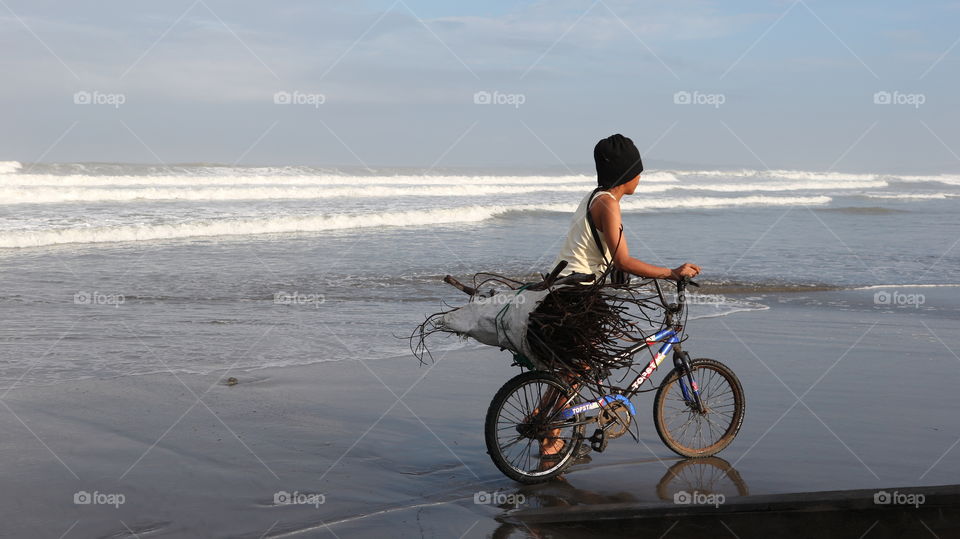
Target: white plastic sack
(500,320)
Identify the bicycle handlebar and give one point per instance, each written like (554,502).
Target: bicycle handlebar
(673,308)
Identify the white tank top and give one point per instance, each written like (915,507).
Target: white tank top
(580,249)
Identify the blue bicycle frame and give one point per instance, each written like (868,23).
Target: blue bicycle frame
(670,341)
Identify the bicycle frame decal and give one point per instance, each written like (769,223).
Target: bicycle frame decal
(670,337)
(593,405)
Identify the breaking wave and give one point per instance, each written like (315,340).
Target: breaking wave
(8,167)
(318,223)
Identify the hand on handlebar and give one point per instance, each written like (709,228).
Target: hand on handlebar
(686,270)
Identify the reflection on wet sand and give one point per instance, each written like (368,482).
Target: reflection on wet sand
(711,475)
(705,476)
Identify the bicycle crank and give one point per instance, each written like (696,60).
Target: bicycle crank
(615,420)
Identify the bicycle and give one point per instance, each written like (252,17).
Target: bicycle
(697,411)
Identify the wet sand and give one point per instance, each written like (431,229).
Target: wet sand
(841,394)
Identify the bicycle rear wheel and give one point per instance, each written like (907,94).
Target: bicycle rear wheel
(683,428)
(525,413)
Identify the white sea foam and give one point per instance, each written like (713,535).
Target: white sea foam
(235,227)
(803,175)
(299,224)
(941,178)
(51,195)
(768,186)
(779,174)
(906,285)
(34,180)
(8,167)
(726,309)
(658,177)
(715,202)
(913,196)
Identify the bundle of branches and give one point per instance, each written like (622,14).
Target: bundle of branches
(589,328)
(578,323)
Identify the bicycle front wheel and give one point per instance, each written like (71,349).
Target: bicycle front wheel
(686,430)
(526,419)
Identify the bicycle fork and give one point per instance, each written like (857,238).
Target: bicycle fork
(688,386)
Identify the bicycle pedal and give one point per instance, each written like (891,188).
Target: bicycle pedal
(598,442)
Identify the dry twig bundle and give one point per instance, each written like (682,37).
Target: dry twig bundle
(588,328)
(576,327)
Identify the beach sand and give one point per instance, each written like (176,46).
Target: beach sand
(841,394)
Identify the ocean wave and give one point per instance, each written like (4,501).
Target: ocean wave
(658,177)
(241,227)
(318,223)
(715,202)
(768,186)
(53,180)
(8,167)
(802,175)
(945,179)
(56,195)
(779,174)
(864,210)
(649,204)
(38,180)
(913,196)
(906,285)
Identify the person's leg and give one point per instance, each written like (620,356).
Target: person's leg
(553,444)
(551,403)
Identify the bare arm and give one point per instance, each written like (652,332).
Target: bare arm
(606,214)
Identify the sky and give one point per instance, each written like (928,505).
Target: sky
(864,86)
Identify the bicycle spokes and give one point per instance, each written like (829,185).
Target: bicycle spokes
(700,421)
(531,434)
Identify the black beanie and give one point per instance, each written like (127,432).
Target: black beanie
(618,161)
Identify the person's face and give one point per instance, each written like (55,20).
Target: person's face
(631,185)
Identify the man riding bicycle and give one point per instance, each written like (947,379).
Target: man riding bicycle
(597,225)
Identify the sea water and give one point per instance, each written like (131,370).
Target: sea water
(118,269)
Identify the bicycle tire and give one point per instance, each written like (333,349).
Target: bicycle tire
(499,427)
(672,435)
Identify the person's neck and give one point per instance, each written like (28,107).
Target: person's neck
(617,192)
